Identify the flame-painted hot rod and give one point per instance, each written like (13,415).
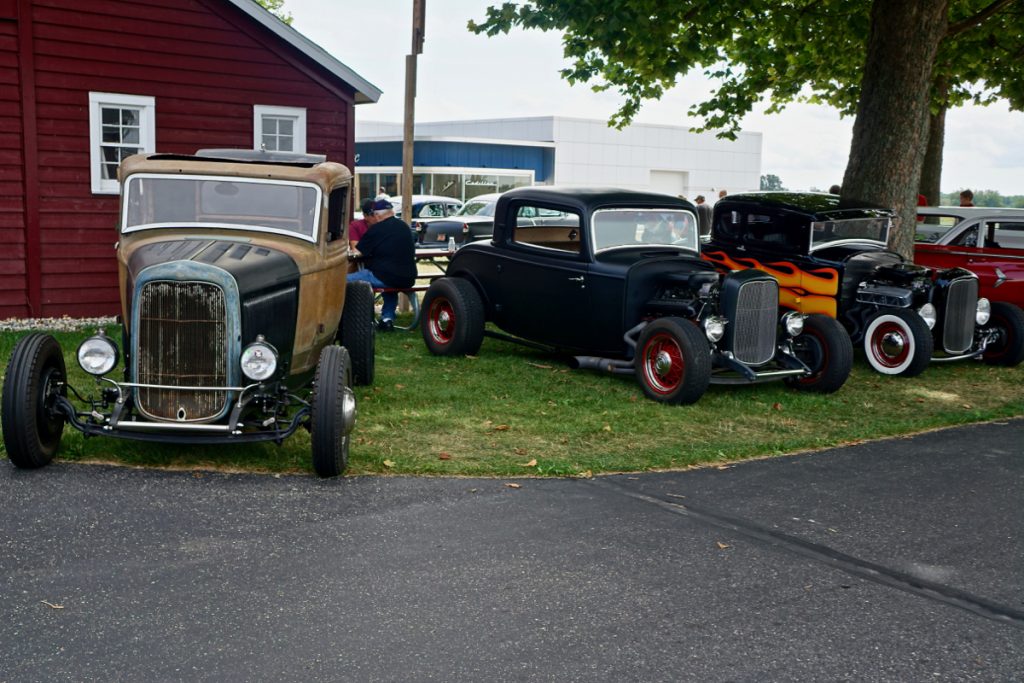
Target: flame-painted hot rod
(237,325)
(833,259)
(618,284)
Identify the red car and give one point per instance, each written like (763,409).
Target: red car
(989,242)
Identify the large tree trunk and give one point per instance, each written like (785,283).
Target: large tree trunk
(931,170)
(891,127)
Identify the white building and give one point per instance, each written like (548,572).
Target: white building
(475,157)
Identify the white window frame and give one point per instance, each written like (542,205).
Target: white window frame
(147,133)
(297,114)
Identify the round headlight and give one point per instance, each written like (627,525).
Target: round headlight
(98,354)
(714,328)
(984,311)
(259,360)
(928,314)
(794,323)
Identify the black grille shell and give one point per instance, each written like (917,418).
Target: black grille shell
(958,321)
(182,342)
(750,300)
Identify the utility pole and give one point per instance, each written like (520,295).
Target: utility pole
(418,14)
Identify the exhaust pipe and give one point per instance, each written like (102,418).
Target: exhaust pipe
(612,365)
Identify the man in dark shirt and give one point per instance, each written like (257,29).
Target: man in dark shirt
(389,256)
(704,214)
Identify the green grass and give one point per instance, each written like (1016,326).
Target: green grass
(495,413)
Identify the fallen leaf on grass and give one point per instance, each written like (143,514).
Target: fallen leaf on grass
(919,400)
(501,428)
(399,386)
(444,456)
(532,463)
(606,428)
(512,486)
(389,463)
(51,605)
(519,451)
(776,406)
(721,546)
(541,366)
(967,406)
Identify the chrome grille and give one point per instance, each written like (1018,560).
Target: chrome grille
(754,328)
(958,328)
(181,342)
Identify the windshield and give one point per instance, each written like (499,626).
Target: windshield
(475,208)
(614,228)
(824,233)
(166,201)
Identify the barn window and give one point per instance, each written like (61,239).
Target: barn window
(119,126)
(279,129)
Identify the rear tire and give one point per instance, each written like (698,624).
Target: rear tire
(1008,350)
(35,377)
(673,362)
(333,414)
(452,318)
(357,332)
(898,342)
(824,347)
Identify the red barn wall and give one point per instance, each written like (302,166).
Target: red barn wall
(205,63)
(13,283)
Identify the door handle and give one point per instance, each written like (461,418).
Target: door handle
(576,279)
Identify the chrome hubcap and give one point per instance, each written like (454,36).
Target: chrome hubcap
(662,363)
(444,320)
(893,344)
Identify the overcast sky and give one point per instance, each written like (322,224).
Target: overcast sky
(465,76)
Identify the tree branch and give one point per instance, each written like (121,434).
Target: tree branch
(972,21)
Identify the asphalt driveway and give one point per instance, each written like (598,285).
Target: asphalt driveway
(894,560)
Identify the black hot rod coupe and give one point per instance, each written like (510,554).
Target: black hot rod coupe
(834,260)
(620,284)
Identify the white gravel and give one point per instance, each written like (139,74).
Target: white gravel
(64,324)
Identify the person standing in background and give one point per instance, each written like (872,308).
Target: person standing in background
(704,215)
(722,193)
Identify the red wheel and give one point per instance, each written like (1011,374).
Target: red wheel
(441,321)
(673,363)
(454,323)
(663,365)
(898,342)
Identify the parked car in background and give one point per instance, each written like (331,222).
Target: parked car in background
(231,269)
(618,283)
(474,221)
(988,242)
(427,206)
(835,260)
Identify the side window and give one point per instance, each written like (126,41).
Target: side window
(119,126)
(1007,236)
(432,211)
(536,228)
(775,232)
(279,129)
(968,238)
(337,215)
(729,225)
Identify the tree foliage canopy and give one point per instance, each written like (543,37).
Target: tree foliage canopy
(276,7)
(782,50)
(770,181)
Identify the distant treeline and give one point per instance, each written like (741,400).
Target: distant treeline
(985,198)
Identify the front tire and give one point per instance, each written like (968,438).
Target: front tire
(357,333)
(333,415)
(825,347)
(1008,320)
(898,342)
(673,363)
(32,427)
(452,318)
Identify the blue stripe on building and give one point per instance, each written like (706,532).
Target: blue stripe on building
(470,155)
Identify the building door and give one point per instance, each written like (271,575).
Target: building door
(675,183)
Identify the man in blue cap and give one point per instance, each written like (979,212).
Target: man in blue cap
(389,256)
